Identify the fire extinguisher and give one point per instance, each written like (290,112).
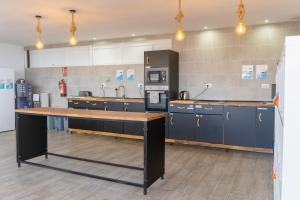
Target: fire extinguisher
(62,88)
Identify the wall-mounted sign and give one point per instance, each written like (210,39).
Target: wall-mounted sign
(9,85)
(247,72)
(64,71)
(120,75)
(130,74)
(262,72)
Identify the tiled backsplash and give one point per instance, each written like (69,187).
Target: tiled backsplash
(212,56)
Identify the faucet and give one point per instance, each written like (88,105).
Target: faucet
(124,91)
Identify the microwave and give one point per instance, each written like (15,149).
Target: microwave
(156,76)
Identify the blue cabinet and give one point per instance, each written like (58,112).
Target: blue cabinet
(240,126)
(265,127)
(182,126)
(209,128)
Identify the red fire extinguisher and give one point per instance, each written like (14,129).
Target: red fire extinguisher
(62,88)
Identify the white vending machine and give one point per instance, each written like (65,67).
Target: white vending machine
(7,99)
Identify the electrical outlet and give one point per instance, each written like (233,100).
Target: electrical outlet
(103,85)
(140,85)
(208,85)
(265,86)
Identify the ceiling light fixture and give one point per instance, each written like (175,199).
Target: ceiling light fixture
(241,28)
(205,27)
(267,21)
(39,44)
(73,40)
(180,35)
(133,35)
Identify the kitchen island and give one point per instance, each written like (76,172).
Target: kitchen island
(31,132)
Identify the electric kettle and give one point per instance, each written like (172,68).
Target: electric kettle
(184,95)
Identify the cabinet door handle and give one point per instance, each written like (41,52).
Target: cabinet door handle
(172,120)
(180,108)
(126,109)
(105,108)
(198,122)
(94,104)
(259,117)
(147,60)
(227,116)
(208,108)
(76,103)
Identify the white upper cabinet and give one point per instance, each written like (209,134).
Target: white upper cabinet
(55,57)
(107,55)
(112,54)
(79,56)
(134,54)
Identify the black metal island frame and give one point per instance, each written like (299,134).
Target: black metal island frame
(31,138)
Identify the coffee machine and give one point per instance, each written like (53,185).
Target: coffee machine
(161,79)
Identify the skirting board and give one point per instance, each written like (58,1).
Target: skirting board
(173,141)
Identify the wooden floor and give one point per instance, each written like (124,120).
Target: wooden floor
(191,172)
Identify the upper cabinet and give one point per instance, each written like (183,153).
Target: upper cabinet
(60,57)
(79,56)
(107,55)
(135,54)
(96,55)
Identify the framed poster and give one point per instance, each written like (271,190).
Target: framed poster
(262,72)
(130,74)
(120,75)
(247,72)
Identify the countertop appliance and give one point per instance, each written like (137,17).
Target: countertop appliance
(85,94)
(184,95)
(7,95)
(161,79)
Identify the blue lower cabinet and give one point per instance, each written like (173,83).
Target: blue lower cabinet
(240,126)
(265,127)
(182,126)
(209,128)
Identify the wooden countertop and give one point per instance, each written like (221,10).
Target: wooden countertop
(226,103)
(93,114)
(129,100)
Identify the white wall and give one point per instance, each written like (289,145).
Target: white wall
(12,56)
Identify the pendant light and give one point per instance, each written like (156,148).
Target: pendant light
(180,35)
(73,29)
(39,44)
(241,28)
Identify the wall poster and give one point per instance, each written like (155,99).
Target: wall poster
(262,72)
(130,74)
(120,75)
(247,72)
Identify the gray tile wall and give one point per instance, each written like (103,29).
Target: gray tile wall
(82,79)
(212,56)
(217,56)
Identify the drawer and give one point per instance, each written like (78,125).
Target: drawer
(77,104)
(209,109)
(134,107)
(180,108)
(95,105)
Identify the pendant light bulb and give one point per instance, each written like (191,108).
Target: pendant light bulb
(241,28)
(180,35)
(73,40)
(39,44)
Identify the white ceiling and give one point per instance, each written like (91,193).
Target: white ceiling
(120,18)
